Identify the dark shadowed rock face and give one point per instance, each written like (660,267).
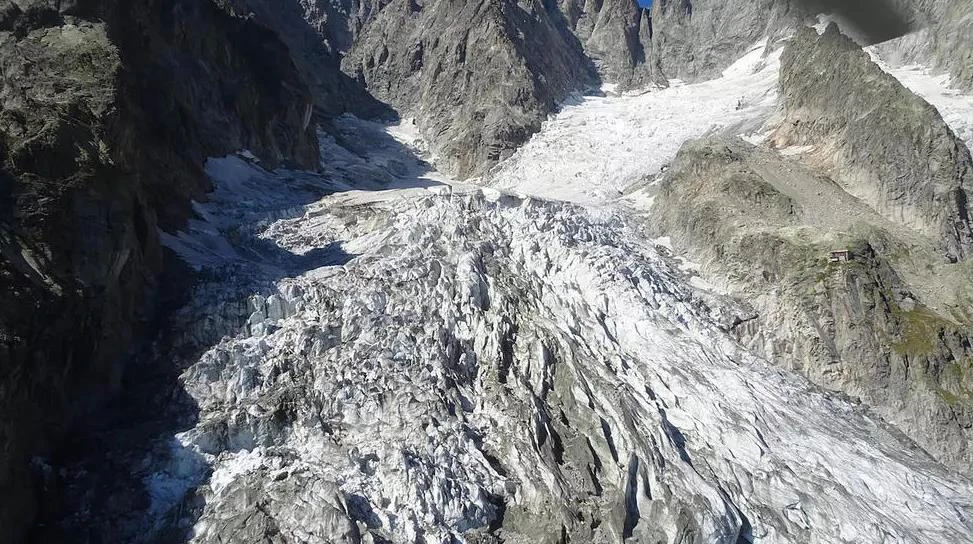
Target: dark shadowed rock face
(108,109)
(883,143)
(479,77)
(317,33)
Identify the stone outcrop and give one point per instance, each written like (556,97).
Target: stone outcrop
(881,142)
(763,228)
(108,109)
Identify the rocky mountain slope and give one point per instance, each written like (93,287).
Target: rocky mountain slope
(478,77)
(313,31)
(882,143)
(108,109)
(694,40)
(892,325)
(617,36)
(942,28)
(430,61)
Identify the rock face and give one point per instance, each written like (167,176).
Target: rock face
(316,33)
(107,110)
(942,30)
(478,77)
(880,141)
(616,35)
(763,228)
(951,31)
(697,39)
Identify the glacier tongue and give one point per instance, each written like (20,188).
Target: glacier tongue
(440,363)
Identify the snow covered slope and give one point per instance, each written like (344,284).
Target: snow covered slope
(592,150)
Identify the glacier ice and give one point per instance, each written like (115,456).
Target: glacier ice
(468,363)
(381,354)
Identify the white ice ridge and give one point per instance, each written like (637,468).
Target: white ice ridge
(592,150)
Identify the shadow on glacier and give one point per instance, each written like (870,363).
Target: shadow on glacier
(238,268)
(126,475)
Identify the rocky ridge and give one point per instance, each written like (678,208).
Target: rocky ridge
(477,77)
(763,227)
(891,325)
(695,40)
(880,141)
(108,110)
(617,36)
(316,34)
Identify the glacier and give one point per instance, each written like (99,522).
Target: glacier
(382,354)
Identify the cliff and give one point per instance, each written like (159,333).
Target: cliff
(108,110)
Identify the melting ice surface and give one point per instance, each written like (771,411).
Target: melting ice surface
(391,355)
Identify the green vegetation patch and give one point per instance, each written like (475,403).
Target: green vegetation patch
(921,329)
(960,375)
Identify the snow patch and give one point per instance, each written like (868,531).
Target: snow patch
(591,151)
